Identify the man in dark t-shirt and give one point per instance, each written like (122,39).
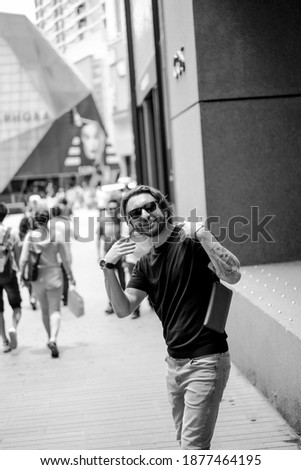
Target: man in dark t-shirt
(178,274)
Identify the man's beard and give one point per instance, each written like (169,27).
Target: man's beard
(151,229)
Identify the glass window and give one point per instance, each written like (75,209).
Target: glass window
(82,22)
(80,9)
(143,35)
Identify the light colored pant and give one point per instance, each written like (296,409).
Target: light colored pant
(195,388)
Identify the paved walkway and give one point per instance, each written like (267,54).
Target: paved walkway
(107,390)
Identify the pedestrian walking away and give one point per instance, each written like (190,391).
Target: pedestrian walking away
(48,286)
(9,281)
(61,223)
(177,274)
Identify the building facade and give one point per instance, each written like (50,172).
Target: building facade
(216,90)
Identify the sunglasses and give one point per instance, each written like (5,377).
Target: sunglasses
(149,207)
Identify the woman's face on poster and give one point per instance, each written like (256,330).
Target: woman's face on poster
(92,141)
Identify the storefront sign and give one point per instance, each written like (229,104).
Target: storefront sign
(24,116)
(179,65)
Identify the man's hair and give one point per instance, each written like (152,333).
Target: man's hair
(41,218)
(3,211)
(55,211)
(159,197)
(113,201)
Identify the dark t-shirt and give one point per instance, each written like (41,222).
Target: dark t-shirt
(178,281)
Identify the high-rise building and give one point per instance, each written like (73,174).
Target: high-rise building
(91,34)
(69,22)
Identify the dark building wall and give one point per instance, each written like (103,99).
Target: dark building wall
(249,78)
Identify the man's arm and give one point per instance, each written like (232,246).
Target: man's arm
(100,246)
(123,302)
(223,263)
(15,249)
(24,253)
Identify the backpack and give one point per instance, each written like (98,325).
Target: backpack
(6,261)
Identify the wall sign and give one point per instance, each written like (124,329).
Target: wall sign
(179,63)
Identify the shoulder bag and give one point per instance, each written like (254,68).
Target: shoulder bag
(218,308)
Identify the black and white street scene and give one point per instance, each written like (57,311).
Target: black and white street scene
(150,250)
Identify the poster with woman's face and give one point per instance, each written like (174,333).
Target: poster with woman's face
(87,150)
(93,143)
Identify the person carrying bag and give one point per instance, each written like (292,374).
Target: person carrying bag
(48,284)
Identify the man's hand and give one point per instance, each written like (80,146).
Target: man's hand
(189,230)
(123,247)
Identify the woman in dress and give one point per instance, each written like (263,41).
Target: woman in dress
(48,286)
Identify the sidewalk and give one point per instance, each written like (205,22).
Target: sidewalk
(107,390)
